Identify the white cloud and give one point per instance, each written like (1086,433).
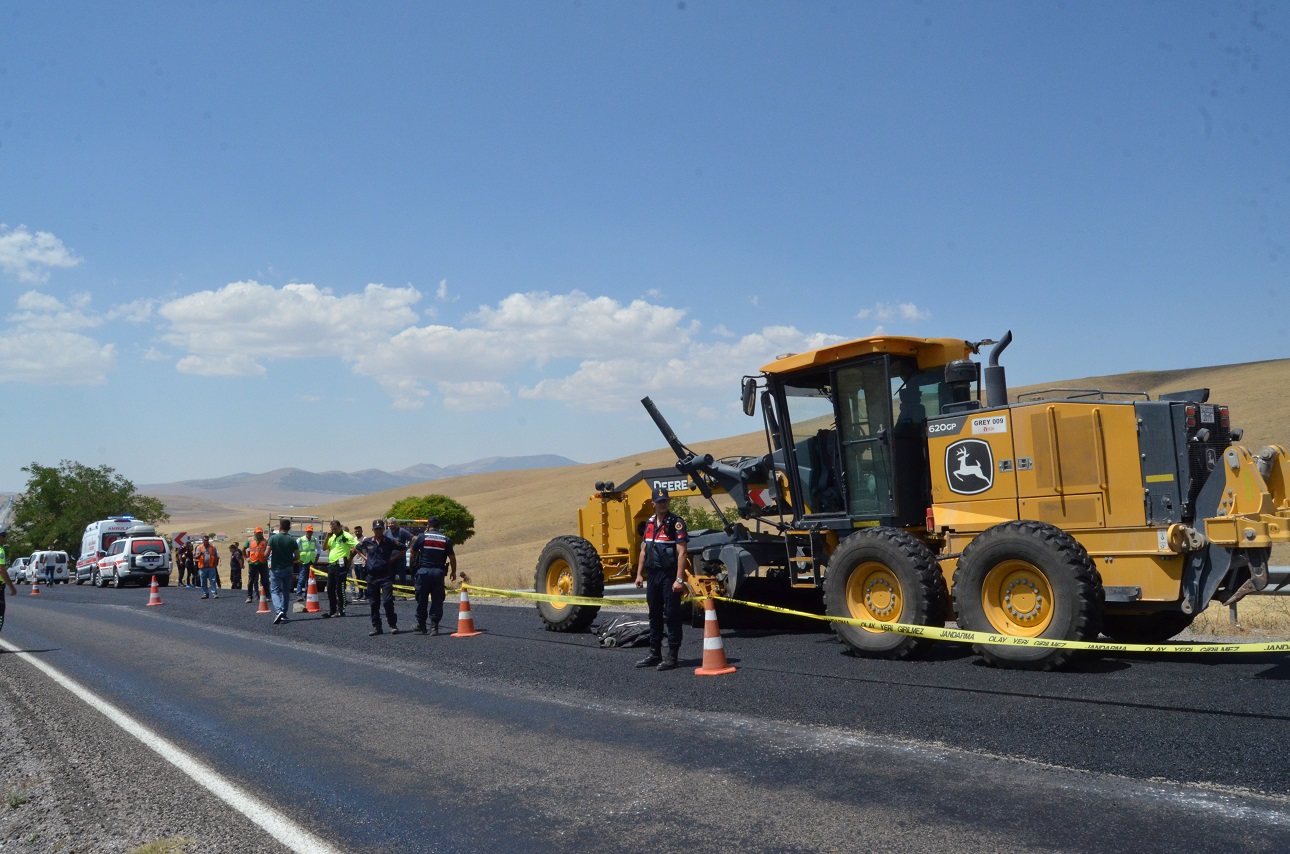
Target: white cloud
(152,354)
(138,311)
(39,311)
(885,312)
(441,292)
(28,256)
(227,365)
(591,352)
(232,331)
(474,396)
(54,357)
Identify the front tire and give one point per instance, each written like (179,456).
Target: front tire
(1031,580)
(569,566)
(888,576)
(96,578)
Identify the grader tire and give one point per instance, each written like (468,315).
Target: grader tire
(888,576)
(569,566)
(1028,579)
(1157,627)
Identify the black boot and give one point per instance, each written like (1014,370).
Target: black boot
(434,628)
(421,628)
(650,660)
(669,663)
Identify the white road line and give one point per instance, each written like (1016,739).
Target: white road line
(277,825)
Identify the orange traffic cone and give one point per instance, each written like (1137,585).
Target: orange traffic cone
(154,598)
(465,622)
(714,653)
(264,602)
(311,596)
(35,586)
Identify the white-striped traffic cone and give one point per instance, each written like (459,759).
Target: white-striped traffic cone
(154,597)
(465,622)
(311,596)
(714,653)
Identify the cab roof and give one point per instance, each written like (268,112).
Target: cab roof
(930,352)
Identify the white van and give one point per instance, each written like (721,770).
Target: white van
(46,565)
(98,538)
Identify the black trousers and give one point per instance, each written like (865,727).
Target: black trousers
(336,578)
(430,590)
(380,591)
(664,608)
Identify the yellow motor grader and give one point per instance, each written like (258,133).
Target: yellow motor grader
(904,492)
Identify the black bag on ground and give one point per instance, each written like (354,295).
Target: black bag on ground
(624,630)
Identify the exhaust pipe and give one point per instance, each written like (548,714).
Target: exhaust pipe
(996,382)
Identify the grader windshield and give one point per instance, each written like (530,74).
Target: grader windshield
(856,433)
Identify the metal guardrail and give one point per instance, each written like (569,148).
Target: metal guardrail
(1277,575)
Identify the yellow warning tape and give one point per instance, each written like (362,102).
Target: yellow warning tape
(930,632)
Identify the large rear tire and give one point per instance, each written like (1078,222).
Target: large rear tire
(569,566)
(96,578)
(1156,627)
(888,576)
(1028,579)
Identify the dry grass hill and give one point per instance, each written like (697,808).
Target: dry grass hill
(517,512)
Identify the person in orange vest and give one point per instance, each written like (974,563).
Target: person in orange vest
(257,565)
(207,558)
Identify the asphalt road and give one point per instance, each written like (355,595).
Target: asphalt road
(522,740)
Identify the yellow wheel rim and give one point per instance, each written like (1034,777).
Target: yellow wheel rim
(559,581)
(873,593)
(1017,599)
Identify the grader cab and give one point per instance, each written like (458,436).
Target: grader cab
(902,493)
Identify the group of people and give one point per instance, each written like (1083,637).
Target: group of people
(279,564)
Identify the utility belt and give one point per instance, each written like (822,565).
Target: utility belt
(421,569)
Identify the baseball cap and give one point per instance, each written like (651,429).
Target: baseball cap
(378,523)
(309,527)
(259,530)
(660,494)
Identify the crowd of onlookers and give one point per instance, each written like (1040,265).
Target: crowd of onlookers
(344,563)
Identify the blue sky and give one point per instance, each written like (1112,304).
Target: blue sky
(238,236)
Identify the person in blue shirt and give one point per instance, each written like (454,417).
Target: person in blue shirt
(379,551)
(433,557)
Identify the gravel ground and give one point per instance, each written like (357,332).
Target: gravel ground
(73,782)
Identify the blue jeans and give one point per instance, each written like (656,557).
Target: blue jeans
(208,576)
(280,589)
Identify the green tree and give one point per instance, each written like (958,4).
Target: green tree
(59,502)
(454,519)
(697,516)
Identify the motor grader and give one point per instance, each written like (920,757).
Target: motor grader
(903,492)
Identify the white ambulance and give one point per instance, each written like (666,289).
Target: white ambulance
(97,540)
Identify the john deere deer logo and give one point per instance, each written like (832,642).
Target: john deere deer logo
(969,466)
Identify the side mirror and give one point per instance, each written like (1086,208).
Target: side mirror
(748,395)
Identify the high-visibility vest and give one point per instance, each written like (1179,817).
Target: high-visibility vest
(308,550)
(206,556)
(257,552)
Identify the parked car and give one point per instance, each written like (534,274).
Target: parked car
(136,557)
(18,570)
(46,564)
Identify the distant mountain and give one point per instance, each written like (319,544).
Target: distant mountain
(299,488)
